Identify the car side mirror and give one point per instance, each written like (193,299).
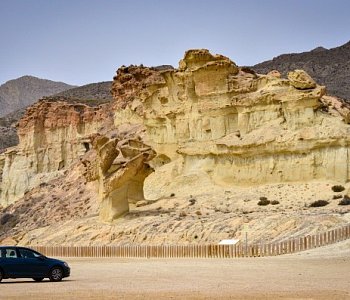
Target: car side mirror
(41,257)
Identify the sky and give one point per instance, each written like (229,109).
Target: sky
(85,41)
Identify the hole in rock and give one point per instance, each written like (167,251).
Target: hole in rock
(164,100)
(86,146)
(61,165)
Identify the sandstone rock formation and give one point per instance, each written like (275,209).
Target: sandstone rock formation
(301,80)
(63,199)
(208,123)
(208,128)
(336,106)
(210,120)
(121,170)
(93,94)
(52,135)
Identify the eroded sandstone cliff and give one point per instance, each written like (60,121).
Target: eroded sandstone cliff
(198,142)
(210,119)
(207,120)
(52,135)
(120,168)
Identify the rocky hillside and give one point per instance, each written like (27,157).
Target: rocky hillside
(188,155)
(329,67)
(8,132)
(93,91)
(93,94)
(21,92)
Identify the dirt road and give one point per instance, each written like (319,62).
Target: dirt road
(311,275)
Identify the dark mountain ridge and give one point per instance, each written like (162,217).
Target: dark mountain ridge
(24,91)
(93,91)
(329,67)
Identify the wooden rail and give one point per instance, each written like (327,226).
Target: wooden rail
(291,245)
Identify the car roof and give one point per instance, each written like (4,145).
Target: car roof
(18,247)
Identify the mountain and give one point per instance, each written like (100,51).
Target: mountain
(24,91)
(329,67)
(92,94)
(8,133)
(92,91)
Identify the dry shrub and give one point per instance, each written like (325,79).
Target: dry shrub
(344,201)
(338,188)
(263,201)
(319,203)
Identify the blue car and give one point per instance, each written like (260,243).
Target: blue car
(20,262)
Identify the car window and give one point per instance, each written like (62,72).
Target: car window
(28,254)
(8,253)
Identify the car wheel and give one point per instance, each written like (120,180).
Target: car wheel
(38,279)
(1,275)
(56,274)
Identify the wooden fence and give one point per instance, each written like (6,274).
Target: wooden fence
(291,245)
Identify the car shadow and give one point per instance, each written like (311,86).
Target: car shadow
(32,281)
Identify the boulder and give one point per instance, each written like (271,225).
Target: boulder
(274,73)
(301,80)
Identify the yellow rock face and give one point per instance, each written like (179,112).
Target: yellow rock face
(301,80)
(122,168)
(207,122)
(211,120)
(52,136)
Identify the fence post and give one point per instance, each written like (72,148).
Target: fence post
(279,248)
(273,252)
(259,249)
(346,232)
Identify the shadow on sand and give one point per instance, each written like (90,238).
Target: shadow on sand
(31,281)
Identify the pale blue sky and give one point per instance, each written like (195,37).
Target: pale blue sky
(83,41)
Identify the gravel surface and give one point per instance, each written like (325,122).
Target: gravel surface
(305,276)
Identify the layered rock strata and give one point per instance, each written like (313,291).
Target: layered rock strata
(52,135)
(120,167)
(211,120)
(207,122)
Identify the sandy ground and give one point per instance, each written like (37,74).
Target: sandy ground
(194,216)
(316,274)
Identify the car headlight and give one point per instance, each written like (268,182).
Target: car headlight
(66,264)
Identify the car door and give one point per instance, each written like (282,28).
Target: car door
(32,263)
(10,262)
